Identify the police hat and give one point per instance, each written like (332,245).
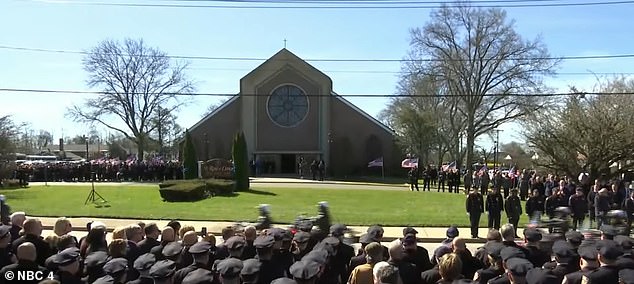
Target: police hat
(301,237)
(519,266)
(609,249)
(563,249)
(4,230)
(452,232)
(374,232)
(264,242)
(588,252)
(115,265)
(200,247)
(511,252)
(626,275)
(163,269)
(494,249)
(277,233)
(624,241)
(104,280)
(574,237)
(442,250)
(96,259)
(235,242)
(66,256)
(250,266)
(304,270)
(319,256)
(283,280)
(338,230)
(365,239)
(198,276)
(409,230)
(608,230)
(331,241)
(144,262)
(409,239)
(533,235)
(541,276)
(325,247)
(230,267)
(172,249)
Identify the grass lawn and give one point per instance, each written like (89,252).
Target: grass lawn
(348,206)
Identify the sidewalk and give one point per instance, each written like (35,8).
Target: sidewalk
(425,234)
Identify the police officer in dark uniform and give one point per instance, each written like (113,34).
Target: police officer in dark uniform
(608,272)
(305,271)
(513,209)
(67,262)
(536,255)
(507,253)
(413,178)
(564,256)
(6,256)
(269,270)
(344,252)
(442,177)
(589,262)
(143,264)
(199,276)
(93,265)
(117,268)
(474,207)
(172,251)
(495,268)
(162,271)
(413,253)
(625,261)
(579,206)
(200,253)
(300,245)
(229,270)
(250,271)
(494,207)
(535,206)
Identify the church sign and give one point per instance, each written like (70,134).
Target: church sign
(217,169)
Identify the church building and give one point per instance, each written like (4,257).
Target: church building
(289,112)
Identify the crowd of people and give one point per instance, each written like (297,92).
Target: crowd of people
(102,170)
(145,253)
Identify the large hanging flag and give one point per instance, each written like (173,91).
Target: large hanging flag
(409,163)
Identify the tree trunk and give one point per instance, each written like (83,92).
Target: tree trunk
(140,147)
(469,147)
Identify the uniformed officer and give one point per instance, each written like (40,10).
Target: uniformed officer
(413,178)
(414,253)
(495,268)
(300,244)
(117,268)
(564,255)
(345,252)
(269,270)
(588,263)
(513,209)
(200,253)
(627,259)
(162,271)
(535,206)
(608,272)
(474,207)
(579,206)
(229,270)
(517,268)
(93,265)
(506,254)
(608,232)
(143,264)
(540,276)
(536,255)
(336,267)
(305,271)
(494,207)
(235,246)
(6,256)
(67,262)
(250,271)
(172,251)
(199,276)
(626,276)
(552,202)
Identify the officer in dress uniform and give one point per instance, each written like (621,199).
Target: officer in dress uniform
(607,272)
(93,265)
(199,276)
(305,271)
(269,270)
(162,271)
(250,271)
(229,270)
(507,253)
(117,268)
(589,263)
(6,256)
(494,207)
(495,268)
(413,178)
(67,262)
(143,264)
(513,209)
(475,207)
(563,264)
(200,253)
(536,254)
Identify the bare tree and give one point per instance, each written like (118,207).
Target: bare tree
(135,80)
(484,63)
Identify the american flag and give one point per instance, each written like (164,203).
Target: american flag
(376,163)
(409,163)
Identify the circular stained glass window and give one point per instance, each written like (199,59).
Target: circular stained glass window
(287,106)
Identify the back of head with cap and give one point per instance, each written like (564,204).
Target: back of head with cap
(374,252)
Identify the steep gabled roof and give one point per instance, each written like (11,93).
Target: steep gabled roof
(285,55)
(211,114)
(363,113)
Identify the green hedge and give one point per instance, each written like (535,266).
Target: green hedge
(10,184)
(194,190)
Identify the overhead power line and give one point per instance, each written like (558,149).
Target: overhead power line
(192,57)
(16,90)
(390,5)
